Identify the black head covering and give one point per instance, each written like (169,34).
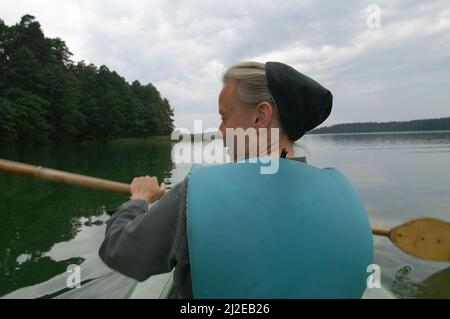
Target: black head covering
(302,103)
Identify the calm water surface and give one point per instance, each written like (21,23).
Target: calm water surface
(45,227)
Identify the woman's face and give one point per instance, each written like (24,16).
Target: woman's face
(234,115)
(241,124)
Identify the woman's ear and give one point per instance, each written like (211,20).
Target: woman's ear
(264,113)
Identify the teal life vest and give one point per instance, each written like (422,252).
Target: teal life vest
(302,232)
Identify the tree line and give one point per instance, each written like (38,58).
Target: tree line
(440,124)
(45,97)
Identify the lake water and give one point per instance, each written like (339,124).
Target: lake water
(45,227)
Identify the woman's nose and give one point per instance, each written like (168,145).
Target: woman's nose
(219,133)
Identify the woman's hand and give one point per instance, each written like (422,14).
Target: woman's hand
(147,188)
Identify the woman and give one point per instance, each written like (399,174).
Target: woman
(232,231)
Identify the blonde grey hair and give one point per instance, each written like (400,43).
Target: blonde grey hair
(251,81)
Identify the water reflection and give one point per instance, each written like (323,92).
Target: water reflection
(46,227)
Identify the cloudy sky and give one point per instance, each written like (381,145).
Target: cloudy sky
(396,67)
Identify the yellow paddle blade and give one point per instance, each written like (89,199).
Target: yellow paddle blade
(425,238)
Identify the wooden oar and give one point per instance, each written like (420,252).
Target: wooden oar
(63,177)
(424,238)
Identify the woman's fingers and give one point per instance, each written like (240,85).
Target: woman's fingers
(147,188)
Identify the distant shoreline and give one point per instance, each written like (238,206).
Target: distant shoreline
(426,125)
(382,132)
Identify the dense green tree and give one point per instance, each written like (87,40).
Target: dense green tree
(24,71)
(28,33)
(8,133)
(62,91)
(167,122)
(4,34)
(60,52)
(46,97)
(147,109)
(29,117)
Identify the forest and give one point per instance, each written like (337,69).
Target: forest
(46,98)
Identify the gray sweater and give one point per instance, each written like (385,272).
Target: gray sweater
(141,241)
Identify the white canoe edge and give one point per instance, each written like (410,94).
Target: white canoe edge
(162,287)
(156,287)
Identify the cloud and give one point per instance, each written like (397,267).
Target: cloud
(399,71)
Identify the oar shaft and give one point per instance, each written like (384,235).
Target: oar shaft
(63,177)
(381,231)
